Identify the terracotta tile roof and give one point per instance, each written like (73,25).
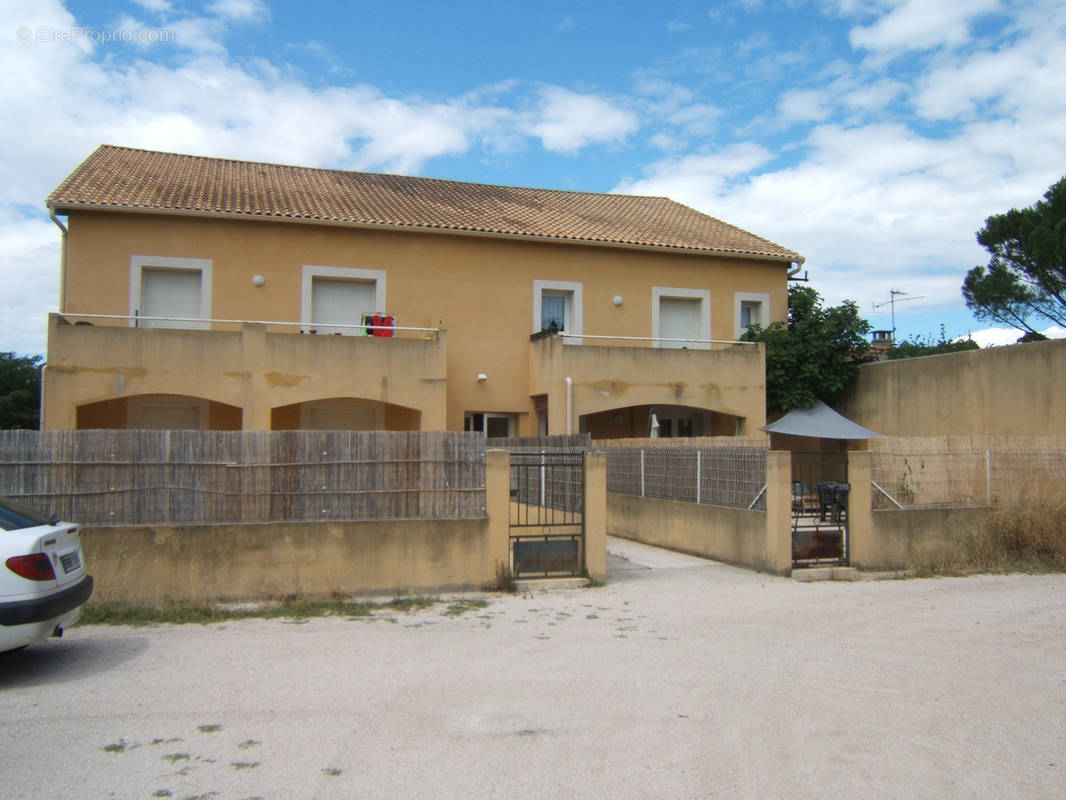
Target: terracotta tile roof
(127,179)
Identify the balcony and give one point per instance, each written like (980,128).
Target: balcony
(605,376)
(250,375)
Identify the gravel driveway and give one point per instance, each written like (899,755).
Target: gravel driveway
(679,679)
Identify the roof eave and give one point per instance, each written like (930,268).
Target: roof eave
(66,208)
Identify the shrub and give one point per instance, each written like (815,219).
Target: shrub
(1027,534)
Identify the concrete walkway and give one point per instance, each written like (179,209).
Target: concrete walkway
(625,555)
(680,678)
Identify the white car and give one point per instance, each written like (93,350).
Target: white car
(43,583)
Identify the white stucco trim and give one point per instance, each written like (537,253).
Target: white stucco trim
(574,292)
(311,271)
(750,297)
(703,295)
(138,263)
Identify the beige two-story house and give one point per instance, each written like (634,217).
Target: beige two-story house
(215,294)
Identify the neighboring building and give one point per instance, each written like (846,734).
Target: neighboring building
(226,295)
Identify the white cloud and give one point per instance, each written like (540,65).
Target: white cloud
(156,6)
(29,269)
(1026,78)
(566,121)
(239,10)
(997,337)
(921,24)
(804,105)
(674,26)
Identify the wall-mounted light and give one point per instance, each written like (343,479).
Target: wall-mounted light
(617,300)
(258,280)
(482,377)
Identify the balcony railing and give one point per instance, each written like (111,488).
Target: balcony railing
(198,323)
(636,341)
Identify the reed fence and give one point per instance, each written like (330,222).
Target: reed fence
(720,475)
(134,477)
(963,471)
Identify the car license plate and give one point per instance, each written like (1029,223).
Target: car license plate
(70,561)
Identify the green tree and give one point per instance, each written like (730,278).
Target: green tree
(927,346)
(20,391)
(812,355)
(1026,275)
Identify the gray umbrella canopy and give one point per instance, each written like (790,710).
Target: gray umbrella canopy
(820,422)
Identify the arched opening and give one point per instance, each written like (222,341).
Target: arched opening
(345,414)
(159,412)
(673,422)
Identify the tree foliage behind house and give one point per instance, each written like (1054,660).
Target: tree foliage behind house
(1026,275)
(20,391)
(927,346)
(812,355)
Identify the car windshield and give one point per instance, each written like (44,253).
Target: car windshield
(14,516)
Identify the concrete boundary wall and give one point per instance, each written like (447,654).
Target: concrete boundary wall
(1015,390)
(155,565)
(159,564)
(757,539)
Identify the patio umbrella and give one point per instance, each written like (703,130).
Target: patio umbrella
(820,422)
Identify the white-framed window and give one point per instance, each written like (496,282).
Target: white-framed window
(751,308)
(558,303)
(683,315)
(165,286)
(332,297)
(490,425)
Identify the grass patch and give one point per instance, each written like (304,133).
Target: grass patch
(174,758)
(209,728)
(1027,535)
(460,607)
(505,581)
(244,764)
(295,609)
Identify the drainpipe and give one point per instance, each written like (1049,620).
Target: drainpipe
(795,270)
(62,259)
(569,406)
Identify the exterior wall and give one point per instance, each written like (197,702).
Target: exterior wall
(250,369)
(729,381)
(480,288)
(207,563)
(757,539)
(1013,390)
(895,539)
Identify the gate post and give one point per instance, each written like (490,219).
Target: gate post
(779,512)
(861,545)
(596,515)
(498,508)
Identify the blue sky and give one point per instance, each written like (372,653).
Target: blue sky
(872,136)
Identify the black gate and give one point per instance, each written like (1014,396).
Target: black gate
(820,492)
(547,517)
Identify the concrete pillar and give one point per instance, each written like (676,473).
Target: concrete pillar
(596,516)
(498,508)
(861,546)
(254,394)
(779,512)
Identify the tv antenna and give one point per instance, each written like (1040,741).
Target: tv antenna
(891,303)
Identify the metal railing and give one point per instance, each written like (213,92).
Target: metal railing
(304,326)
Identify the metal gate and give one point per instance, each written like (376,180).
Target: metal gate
(820,492)
(547,517)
